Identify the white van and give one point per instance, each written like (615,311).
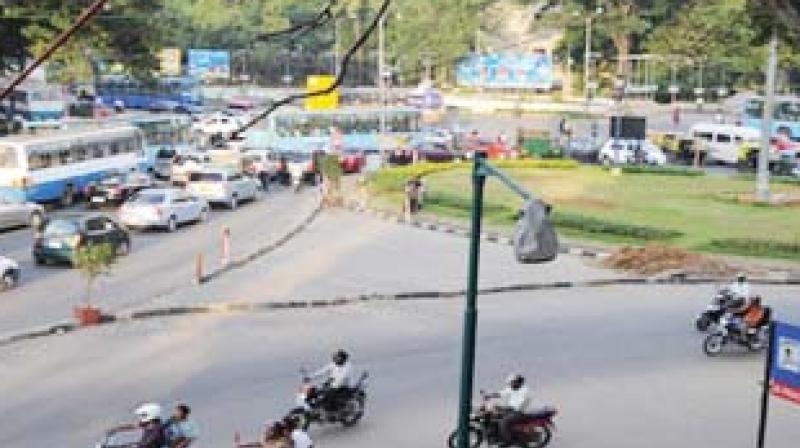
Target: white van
(722,141)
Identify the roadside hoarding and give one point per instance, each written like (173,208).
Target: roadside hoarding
(170,61)
(209,64)
(321,102)
(785,376)
(507,71)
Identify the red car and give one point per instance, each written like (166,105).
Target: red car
(352,160)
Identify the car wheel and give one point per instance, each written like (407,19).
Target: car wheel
(39,260)
(233,203)
(123,248)
(172,224)
(36,220)
(8,281)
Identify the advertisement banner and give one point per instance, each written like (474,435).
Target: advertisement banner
(209,64)
(170,59)
(322,102)
(785,369)
(507,71)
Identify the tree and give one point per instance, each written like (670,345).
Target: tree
(93,261)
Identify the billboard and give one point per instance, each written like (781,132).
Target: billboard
(785,368)
(507,71)
(321,102)
(209,64)
(170,61)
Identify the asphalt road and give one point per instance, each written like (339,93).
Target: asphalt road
(623,364)
(159,263)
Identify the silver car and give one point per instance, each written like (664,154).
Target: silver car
(16,212)
(165,208)
(223,187)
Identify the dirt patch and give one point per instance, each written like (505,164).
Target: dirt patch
(656,259)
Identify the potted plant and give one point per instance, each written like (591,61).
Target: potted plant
(93,261)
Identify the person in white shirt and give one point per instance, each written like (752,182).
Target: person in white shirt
(337,375)
(514,401)
(740,289)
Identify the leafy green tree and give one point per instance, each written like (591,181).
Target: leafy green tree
(93,261)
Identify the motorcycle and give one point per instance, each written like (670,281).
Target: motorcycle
(732,330)
(533,431)
(313,408)
(722,302)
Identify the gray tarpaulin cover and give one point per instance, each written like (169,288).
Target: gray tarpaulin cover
(535,240)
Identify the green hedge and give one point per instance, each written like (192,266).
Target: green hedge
(561,164)
(757,247)
(589,224)
(504,214)
(660,170)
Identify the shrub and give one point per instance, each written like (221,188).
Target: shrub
(589,224)
(535,163)
(758,247)
(660,170)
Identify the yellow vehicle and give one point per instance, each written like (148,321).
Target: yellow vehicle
(678,146)
(782,151)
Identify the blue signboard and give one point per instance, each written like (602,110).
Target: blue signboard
(785,369)
(209,64)
(507,71)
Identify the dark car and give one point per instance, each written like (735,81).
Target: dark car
(114,188)
(62,236)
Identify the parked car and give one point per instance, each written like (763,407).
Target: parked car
(165,208)
(114,188)
(9,273)
(62,236)
(217,124)
(221,186)
(622,151)
(352,160)
(16,212)
(162,166)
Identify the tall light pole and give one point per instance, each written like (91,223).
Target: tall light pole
(762,177)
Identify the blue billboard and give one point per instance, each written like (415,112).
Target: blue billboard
(209,64)
(507,71)
(785,368)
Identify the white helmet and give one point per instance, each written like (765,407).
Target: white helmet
(148,412)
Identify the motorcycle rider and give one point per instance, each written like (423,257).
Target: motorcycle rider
(337,375)
(752,315)
(514,401)
(740,289)
(148,416)
(181,430)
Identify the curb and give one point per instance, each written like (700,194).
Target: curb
(280,242)
(257,307)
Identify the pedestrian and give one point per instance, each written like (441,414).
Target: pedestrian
(180,428)
(412,196)
(420,191)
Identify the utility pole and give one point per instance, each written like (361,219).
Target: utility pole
(587,57)
(762,177)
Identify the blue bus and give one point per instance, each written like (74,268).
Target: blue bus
(786,116)
(298,130)
(177,94)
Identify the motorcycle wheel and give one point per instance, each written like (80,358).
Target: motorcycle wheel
(702,323)
(713,344)
(758,342)
(354,410)
(540,437)
(475,438)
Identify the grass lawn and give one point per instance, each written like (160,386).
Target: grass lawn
(698,209)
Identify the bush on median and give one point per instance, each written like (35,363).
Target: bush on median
(660,170)
(757,247)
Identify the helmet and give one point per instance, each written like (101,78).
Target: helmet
(148,412)
(741,278)
(755,300)
(515,381)
(340,357)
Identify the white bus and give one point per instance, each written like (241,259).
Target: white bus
(723,141)
(36,105)
(51,168)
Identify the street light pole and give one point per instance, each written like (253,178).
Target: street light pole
(762,177)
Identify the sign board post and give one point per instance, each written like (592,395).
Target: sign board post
(781,372)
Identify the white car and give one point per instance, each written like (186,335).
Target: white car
(16,212)
(217,124)
(9,273)
(622,151)
(222,186)
(186,164)
(165,208)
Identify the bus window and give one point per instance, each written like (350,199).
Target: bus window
(114,148)
(787,111)
(8,157)
(723,138)
(79,154)
(707,136)
(64,157)
(754,109)
(98,151)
